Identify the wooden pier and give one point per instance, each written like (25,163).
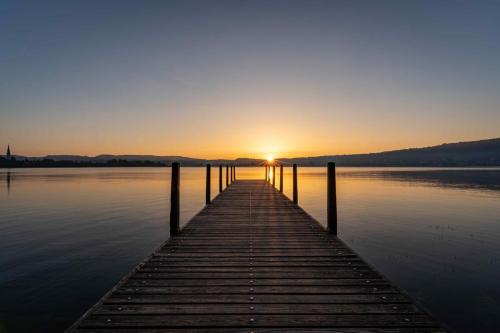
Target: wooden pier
(253,261)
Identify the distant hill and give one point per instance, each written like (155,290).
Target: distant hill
(472,153)
(167,160)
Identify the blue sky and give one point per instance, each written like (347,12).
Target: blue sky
(246,78)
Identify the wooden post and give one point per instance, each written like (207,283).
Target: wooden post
(331,200)
(207,187)
(295,195)
(234,171)
(227,175)
(274,175)
(174,199)
(265,172)
(220,178)
(281,178)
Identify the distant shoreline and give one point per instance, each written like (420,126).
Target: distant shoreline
(482,153)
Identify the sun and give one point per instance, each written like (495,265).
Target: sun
(270,158)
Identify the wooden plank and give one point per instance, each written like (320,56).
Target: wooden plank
(116,298)
(287,290)
(136,281)
(264,330)
(256,320)
(158,265)
(257,275)
(254,262)
(320,260)
(325,269)
(218,308)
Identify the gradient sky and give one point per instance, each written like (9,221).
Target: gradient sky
(246,78)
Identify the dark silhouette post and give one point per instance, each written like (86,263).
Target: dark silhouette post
(234,171)
(274,175)
(207,187)
(220,178)
(295,195)
(265,172)
(227,176)
(174,199)
(281,178)
(332,200)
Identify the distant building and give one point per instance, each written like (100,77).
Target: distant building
(8,156)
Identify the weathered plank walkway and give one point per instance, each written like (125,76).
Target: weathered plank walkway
(253,262)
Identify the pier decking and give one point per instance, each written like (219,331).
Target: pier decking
(252,261)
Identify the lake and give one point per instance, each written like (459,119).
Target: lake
(69,235)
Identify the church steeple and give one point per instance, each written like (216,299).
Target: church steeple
(8,152)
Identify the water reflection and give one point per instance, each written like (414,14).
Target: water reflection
(481,179)
(7,179)
(71,234)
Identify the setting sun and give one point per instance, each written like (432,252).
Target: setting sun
(270,158)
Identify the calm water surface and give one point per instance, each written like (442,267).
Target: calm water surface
(68,235)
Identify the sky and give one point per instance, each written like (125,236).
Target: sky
(225,79)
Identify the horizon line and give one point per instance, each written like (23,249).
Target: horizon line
(254,158)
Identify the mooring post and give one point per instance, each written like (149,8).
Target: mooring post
(174,199)
(227,175)
(265,172)
(207,187)
(220,178)
(295,195)
(232,174)
(234,171)
(274,175)
(331,209)
(281,178)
